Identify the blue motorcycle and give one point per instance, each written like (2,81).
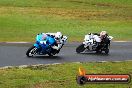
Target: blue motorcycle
(42,49)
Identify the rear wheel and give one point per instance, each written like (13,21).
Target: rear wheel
(31,51)
(107,51)
(80,48)
(98,51)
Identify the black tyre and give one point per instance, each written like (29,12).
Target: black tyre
(80,48)
(98,51)
(31,51)
(50,54)
(107,51)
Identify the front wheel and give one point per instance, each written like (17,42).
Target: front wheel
(31,51)
(80,48)
(50,54)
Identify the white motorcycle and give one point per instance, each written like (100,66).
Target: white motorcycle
(92,42)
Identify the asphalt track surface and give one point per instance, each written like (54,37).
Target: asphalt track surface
(14,54)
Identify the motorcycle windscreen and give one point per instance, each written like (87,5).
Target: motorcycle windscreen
(39,37)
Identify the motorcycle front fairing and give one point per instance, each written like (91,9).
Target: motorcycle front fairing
(88,40)
(38,39)
(38,45)
(45,46)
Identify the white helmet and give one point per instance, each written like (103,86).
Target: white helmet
(103,34)
(58,35)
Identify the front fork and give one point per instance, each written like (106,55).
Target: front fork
(85,44)
(39,48)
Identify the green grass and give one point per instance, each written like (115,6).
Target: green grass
(62,3)
(62,75)
(21,20)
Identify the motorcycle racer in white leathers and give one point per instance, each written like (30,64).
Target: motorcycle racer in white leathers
(95,42)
